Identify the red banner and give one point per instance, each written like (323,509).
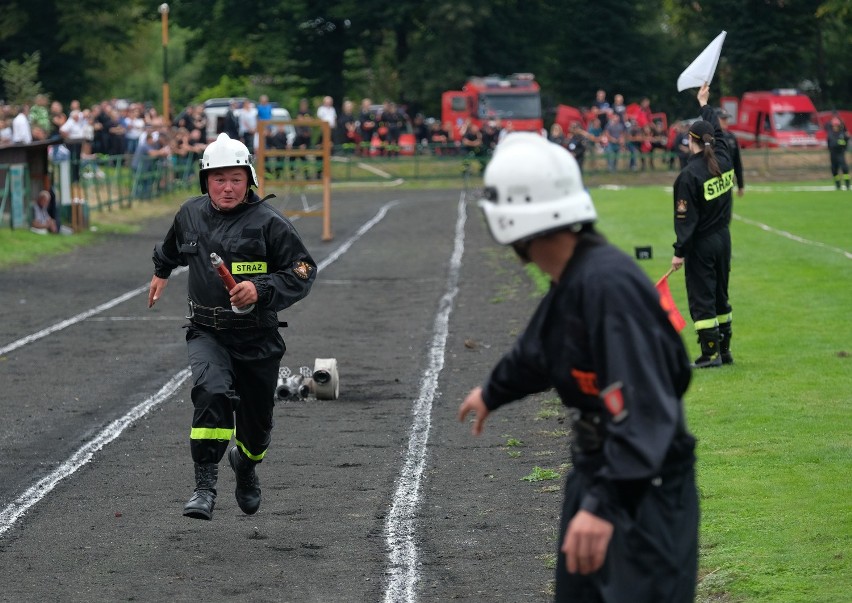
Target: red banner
(668,304)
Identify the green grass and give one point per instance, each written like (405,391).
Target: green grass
(22,246)
(538,475)
(774,437)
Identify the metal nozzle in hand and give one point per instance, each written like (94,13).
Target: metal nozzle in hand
(228,280)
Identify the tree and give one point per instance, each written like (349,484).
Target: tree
(411,51)
(20,79)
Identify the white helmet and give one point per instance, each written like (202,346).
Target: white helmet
(225,152)
(533,186)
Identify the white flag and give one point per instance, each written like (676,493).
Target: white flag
(702,68)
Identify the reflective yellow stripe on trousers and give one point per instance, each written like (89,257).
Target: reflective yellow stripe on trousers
(255,457)
(706,324)
(210,433)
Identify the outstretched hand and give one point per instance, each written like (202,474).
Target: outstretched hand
(476,404)
(155,290)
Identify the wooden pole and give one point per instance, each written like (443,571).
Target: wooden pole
(326,182)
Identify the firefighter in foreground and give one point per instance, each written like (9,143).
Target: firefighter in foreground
(703,205)
(629,529)
(234,355)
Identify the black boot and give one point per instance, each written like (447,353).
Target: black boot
(709,340)
(200,505)
(247,492)
(725,335)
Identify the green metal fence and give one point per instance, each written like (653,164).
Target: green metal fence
(7,192)
(108,182)
(111,181)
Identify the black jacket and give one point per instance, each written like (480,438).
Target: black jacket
(837,141)
(702,202)
(601,338)
(736,157)
(256,243)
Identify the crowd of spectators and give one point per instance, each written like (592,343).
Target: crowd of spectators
(613,131)
(133,134)
(145,140)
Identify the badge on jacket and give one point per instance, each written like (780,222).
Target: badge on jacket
(613,399)
(302,270)
(681,206)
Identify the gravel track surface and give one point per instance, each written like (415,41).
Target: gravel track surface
(378,496)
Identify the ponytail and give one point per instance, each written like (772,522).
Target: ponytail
(710,156)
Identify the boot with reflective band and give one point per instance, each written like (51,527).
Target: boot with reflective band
(709,340)
(725,335)
(200,505)
(247,491)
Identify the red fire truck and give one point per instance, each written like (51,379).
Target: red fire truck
(776,118)
(514,100)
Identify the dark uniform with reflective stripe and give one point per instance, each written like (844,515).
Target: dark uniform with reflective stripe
(702,209)
(838,144)
(601,338)
(234,357)
(736,158)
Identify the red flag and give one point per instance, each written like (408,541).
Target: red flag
(668,303)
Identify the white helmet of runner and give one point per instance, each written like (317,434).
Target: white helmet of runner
(225,152)
(532,187)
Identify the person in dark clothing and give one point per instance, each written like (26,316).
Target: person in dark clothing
(703,205)
(304,138)
(838,143)
(233,340)
(347,128)
(394,120)
(231,125)
(368,121)
(576,144)
(734,150)
(608,348)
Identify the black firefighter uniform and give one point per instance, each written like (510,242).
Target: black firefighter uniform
(703,207)
(601,338)
(234,357)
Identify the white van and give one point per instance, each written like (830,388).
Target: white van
(216,108)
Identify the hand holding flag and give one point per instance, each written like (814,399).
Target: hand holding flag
(668,303)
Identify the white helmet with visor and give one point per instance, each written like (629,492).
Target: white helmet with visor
(532,187)
(225,152)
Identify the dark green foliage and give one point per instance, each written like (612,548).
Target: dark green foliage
(19,79)
(411,51)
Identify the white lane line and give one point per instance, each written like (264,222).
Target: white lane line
(358,234)
(79,317)
(810,188)
(792,236)
(144,288)
(88,313)
(42,488)
(400,526)
(374,170)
